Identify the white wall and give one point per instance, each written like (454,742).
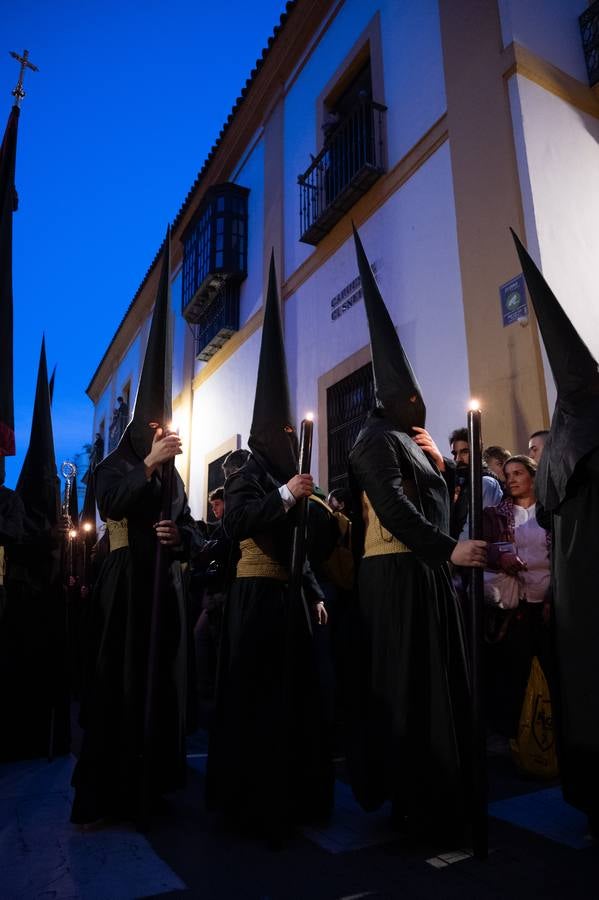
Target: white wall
(413,85)
(252,177)
(222,407)
(128,370)
(557,150)
(549,28)
(413,239)
(103,410)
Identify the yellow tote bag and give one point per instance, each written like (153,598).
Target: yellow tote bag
(534,748)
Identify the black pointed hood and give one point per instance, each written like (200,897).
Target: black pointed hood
(394,380)
(272,438)
(38,484)
(51,385)
(575,425)
(154,399)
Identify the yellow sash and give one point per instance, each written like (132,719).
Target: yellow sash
(377,540)
(256,563)
(118,534)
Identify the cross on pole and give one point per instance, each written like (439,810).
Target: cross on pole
(18,92)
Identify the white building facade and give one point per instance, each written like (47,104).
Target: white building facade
(434,126)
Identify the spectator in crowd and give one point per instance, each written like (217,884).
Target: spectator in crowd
(494,459)
(517,581)
(492,492)
(536,445)
(216,500)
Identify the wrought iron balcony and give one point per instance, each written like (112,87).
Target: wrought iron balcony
(589,30)
(218,322)
(351,160)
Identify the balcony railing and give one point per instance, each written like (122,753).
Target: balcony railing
(349,163)
(218,322)
(589,30)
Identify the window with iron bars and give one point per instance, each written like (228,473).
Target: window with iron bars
(348,403)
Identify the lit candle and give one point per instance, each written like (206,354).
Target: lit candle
(87,527)
(476,472)
(305,444)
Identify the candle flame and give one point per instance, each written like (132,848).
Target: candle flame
(73,533)
(87,526)
(474,406)
(310,416)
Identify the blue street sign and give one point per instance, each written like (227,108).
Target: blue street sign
(513,300)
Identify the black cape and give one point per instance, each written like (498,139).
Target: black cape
(268,763)
(409,734)
(107,778)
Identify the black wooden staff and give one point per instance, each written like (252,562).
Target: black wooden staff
(480,837)
(161,583)
(87,534)
(298,547)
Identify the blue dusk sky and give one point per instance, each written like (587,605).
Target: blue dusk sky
(115,126)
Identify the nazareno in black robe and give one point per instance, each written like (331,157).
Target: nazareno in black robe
(575,550)
(409,736)
(34,690)
(268,762)
(108,775)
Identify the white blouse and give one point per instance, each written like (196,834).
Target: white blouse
(530,584)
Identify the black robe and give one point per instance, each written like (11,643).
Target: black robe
(114,755)
(34,691)
(268,762)
(409,737)
(576,606)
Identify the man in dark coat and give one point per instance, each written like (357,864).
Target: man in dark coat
(567,488)
(268,766)
(409,740)
(135,693)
